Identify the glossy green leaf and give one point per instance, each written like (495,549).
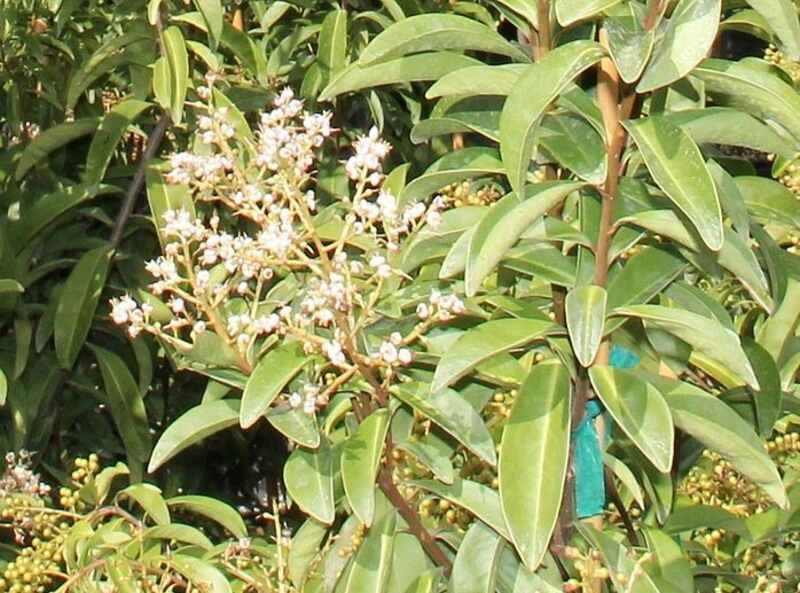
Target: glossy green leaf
(678,167)
(192,427)
(180,533)
(644,276)
(163,196)
(435,32)
(705,335)
(270,376)
(684,42)
(477,80)
(571,11)
(51,140)
(529,99)
(452,412)
(149,498)
(769,398)
(639,410)
(433,453)
(3,388)
(778,329)
(213,509)
(625,476)
(476,561)
(718,427)
(625,574)
(296,425)
(178,60)
(534,453)
(769,200)
(504,223)
(361,457)
(202,573)
(483,342)
(629,45)
(308,476)
(480,500)
(214,17)
(9,286)
(125,403)
(781,17)
(306,546)
(111,130)
(731,199)
(586,313)
(332,51)
(575,145)
(372,562)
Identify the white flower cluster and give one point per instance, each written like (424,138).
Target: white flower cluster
(365,165)
(19,478)
(440,307)
(309,398)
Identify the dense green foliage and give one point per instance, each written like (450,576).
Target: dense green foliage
(347,340)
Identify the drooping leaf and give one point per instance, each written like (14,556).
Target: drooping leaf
(639,410)
(213,509)
(150,499)
(270,376)
(214,17)
(308,476)
(361,457)
(629,45)
(52,139)
(534,453)
(586,313)
(192,427)
(476,561)
(179,532)
(296,425)
(483,342)
(528,100)
(178,61)
(678,167)
(477,80)
(644,276)
(202,573)
(625,476)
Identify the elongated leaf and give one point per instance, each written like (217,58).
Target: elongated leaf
(769,399)
(480,500)
(485,341)
(781,17)
(586,313)
(639,410)
(269,377)
(629,46)
(3,388)
(476,561)
(202,573)
(109,133)
(179,532)
(434,453)
(332,51)
(306,546)
(52,139)
(213,509)
(625,476)
(683,44)
(753,89)
(719,428)
(125,403)
(372,563)
(296,425)
(149,498)
(678,167)
(434,32)
(644,276)
(624,572)
(505,222)
(534,454)
(192,427)
(575,145)
(570,11)
(453,413)
(705,335)
(528,100)
(419,67)
(453,167)
(776,331)
(214,17)
(768,200)
(361,457)
(478,80)
(732,201)
(178,60)
(308,476)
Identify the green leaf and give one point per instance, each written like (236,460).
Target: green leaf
(529,99)
(639,410)
(769,200)
(7,285)
(51,140)
(23,334)
(503,225)
(480,500)
(571,11)
(3,388)
(192,427)
(477,80)
(306,546)
(270,376)
(125,403)
(435,32)
(483,342)
(644,276)
(690,518)
(683,43)
(419,67)
(476,561)
(451,168)
(781,17)
(453,413)
(162,83)
(586,313)
(214,17)
(178,59)
(432,452)
(778,329)
(534,453)
(296,425)
(575,145)
(308,476)
(707,336)
(163,196)
(678,167)
(618,560)
(180,533)
(332,52)
(201,573)
(629,46)
(625,476)
(372,562)
(213,509)
(361,458)
(769,398)
(149,498)
(111,130)
(719,428)
(731,199)
(748,86)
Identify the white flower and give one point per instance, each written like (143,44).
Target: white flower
(422,311)
(404,356)
(310,405)
(396,338)
(122,308)
(177,305)
(295,399)
(388,353)
(199,327)
(333,350)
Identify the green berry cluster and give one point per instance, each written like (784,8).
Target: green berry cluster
(33,570)
(465,193)
(776,57)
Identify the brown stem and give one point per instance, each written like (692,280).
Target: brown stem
(544,36)
(412,518)
(654,8)
(153,143)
